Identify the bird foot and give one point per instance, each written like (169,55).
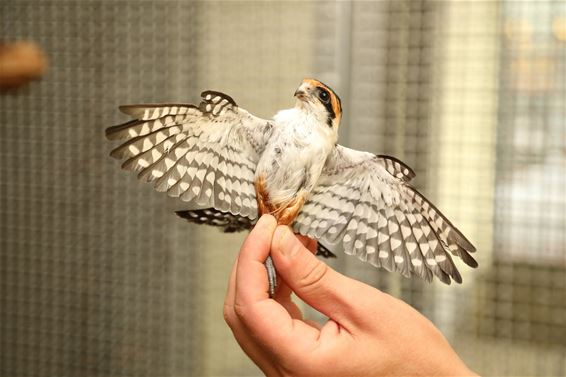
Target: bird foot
(271,276)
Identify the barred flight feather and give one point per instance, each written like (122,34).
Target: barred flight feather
(204,155)
(381,219)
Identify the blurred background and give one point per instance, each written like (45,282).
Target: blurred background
(99,278)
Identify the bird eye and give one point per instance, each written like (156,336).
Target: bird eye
(324,96)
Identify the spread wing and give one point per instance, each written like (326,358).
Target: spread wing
(204,155)
(364,204)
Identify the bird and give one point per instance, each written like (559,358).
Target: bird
(230,167)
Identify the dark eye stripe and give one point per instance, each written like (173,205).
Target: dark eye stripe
(328,104)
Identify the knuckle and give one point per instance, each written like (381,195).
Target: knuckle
(314,274)
(240,311)
(228,313)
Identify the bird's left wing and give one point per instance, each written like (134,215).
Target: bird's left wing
(364,204)
(206,155)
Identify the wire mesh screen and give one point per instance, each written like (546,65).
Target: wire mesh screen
(87,272)
(527,283)
(98,278)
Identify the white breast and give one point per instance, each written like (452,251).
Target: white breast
(295,154)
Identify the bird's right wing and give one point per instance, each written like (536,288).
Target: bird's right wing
(204,155)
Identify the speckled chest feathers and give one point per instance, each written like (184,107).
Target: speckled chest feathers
(293,160)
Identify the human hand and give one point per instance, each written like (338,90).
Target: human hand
(368,332)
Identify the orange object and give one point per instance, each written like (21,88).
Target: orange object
(20,62)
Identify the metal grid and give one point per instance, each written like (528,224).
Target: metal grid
(98,278)
(86,271)
(528,279)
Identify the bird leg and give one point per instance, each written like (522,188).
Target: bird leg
(271,276)
(284,216)
(264,206)
(288,214)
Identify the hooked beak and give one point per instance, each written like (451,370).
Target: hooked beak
(300,94)
(303,92)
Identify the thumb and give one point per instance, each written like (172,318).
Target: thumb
(329,292)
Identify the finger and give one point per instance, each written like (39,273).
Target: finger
(251,275)
(246,342)
(333,294)
(283,290)
(283,294)
(241,336)
(308,242)
(266,320)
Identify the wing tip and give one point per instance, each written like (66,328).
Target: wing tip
(456,276)
(133,110)
(446,279)
(220,94)
(124,108)
(406,173)
(115,153)
(110,133)
(115,132)
(182,214)
(470,261)
(463,242)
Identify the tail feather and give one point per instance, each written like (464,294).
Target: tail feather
(228,222)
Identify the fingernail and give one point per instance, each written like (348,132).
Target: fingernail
(286,241)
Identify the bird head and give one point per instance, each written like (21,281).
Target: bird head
(312,95)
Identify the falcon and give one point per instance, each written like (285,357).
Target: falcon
(230,167)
